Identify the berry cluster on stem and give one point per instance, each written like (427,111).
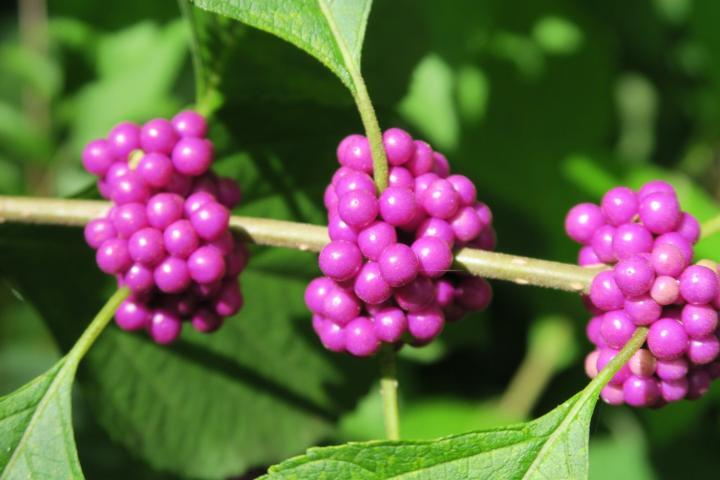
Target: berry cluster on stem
(167,236)
(648,240)
(387,275)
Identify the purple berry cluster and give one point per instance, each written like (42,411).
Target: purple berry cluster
(387,266)
(648,240)
(167,235)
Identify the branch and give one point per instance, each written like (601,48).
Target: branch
(305,237)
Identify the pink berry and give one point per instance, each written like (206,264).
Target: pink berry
(421,160)
(99,230)
(642,363)
(466,224)
(660,212)
(602,244)
(155,169)
(192,156)
(699,285)
(316,292)
(373,239)
(434,256)
(640,391)
(616,328)
(634,275)
(397,206)
(180,239)
(437,228)
(665,290)
(206,265)
(356,154)
(399,146)
(398,263)
(332,336)
(689,228)
(699,320)
(619,205)
(667,259)
(655,186)
(158,135)
(370,286)
(605,293)
(189,124)
(465,188)
(702,351)
(129,218)
(390,324)
(426,324)
(339,230)
(441,165)
(139,278)
(673,390)
(124,138)
(441,200)
(340,260)
(401,177)
(132,315)
(607,354)
(642,310)
(210,221)
(354,180)
(146,246)
(667,339)
(358,208)
(582,221)
(360,337)
(229,193)
(164,326)
(98,157)
(341,306)
(163,209)
(631,239)
(172,275)
(671,368)
(129,188)
(587,257)
(113,256)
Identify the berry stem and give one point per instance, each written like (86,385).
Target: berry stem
(388,390)
(305,237)
(373,132)
(632,346)
(98,324)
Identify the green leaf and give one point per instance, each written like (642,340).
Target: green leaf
(210,406)
(36,437)
(553,446)
(330,30)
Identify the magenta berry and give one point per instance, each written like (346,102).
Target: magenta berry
(228,300)
(123,139)
(667,339)
(640,391)
(189,124)
(399,146)
(146,246)
(619,205)
(180,239)
(421,160)
(441,200)
(163,209)
(655,186)
(426,324)
(129,218)
(399,264)
(616,328)
(390,324)
(113,256)
(416,295)
(605,293)
(316,292)
(582,221)
(192,156)
(205,321)
(370,286)
(360,337)
(634,275)
(158,135)
(466,224)
(435,227)
(132,315)
(699,321)
(99,230)
(400,177)
(660,212)
(630,239)
(98,157)
(434,256)
(164,326)
(474,293)
(397,206)
(172,275)
(465,189)
(698,284)
(358,208)
(373,239)
(340,260)
(341,306)
(206,265)
(210,221)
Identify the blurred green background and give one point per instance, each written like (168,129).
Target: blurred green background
(543,103)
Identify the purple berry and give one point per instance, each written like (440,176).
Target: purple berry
(98,157)
(466,224)
(358,208)
(124,138)
(206,265)
(656,186)
(374,239)
(660,212)
(390,324)
(642,310)
(689,228)
(640,392)
(422,183)
(165,326)
(99,230)
(667,339)
(416,295)
(339,230)
(172,275)
(605,293)
(155,169)
(616,328)
(437,228)
(587,257)
(702,351)
(673,390)
(698,383)
(441,165)
(158,135)
(634,275)
(113,256)
(192,156)
(356,154)
(671,368)
(699,320)
(602,244)
(205,321)
(189,124)
(631,239)
(179,184)
(132,315)
(228,300)
(229,192)
(354,180)
(163,209)
(129,218)
(619,205)
(607,354)
(592,330)
(426,324)
(465,188)
(129,188)
(332,336)
(421,161)
(434,256)
(401,177)
(340,260)
(397,206)
(139,279)
(582,221)
(341,306)
(210,221)
(360,337)
(146,246)
(370,286)
(665,290)
(698,285)
(399,146)
(316,292)
(473,293)
(441,200)
(399,264)
(444,292)
(180,239)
